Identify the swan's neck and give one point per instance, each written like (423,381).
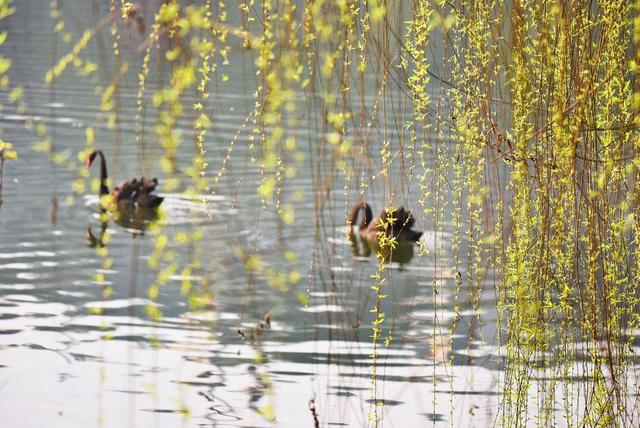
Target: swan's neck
(366,218)
(104,190)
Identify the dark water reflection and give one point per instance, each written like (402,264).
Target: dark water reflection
(257,356)
(363,249)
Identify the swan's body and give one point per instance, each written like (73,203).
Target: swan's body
(369,227)
(131,194)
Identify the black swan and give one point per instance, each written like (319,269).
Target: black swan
(369,227)
(131,194)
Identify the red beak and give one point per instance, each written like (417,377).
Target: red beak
(89,160)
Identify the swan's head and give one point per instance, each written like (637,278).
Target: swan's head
(89,160)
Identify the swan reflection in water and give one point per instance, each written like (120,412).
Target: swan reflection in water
(362,247)
(134,220)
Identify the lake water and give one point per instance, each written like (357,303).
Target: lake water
(257,355)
